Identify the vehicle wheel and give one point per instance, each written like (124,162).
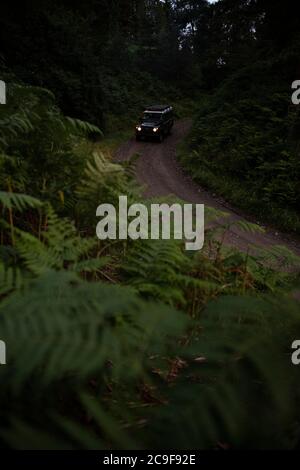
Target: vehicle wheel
(137,138)
(160,138)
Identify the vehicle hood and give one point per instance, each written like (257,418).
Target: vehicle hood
(149,124)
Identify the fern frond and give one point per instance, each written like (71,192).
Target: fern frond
(248,227)
(60,324)
(82,126)
(17,201)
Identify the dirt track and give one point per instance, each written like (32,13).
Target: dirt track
(159,172)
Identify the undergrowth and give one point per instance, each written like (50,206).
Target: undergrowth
(246,149)
(129,344)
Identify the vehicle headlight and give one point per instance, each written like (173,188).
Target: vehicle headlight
(138,128)
(155,129)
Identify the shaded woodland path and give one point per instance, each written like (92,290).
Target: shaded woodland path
(161,175)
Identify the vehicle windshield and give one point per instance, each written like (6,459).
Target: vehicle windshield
(151,117)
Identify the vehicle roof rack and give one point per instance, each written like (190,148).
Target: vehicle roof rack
(158,108)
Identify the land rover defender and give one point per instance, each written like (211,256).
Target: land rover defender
(156,123)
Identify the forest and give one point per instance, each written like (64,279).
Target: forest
(121,344)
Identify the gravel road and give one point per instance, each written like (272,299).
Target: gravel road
(161,175)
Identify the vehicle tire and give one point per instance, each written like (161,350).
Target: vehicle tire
(137,138)
(161,138)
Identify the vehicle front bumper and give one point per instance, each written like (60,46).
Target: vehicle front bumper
(147,132)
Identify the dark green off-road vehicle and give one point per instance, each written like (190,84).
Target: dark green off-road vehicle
(155,123)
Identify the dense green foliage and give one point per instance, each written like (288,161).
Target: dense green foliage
(101,353)
(105,61)
(245,141)
(141,344)
(102,60)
